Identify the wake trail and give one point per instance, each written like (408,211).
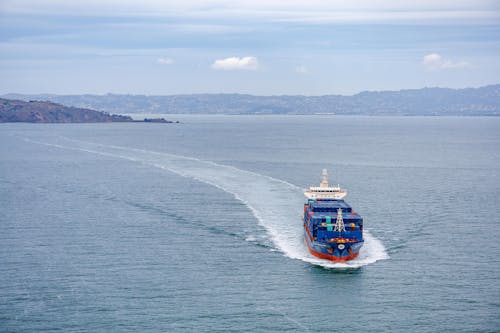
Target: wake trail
(276,204)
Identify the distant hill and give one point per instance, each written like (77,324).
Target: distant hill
(48,112)
(483,101)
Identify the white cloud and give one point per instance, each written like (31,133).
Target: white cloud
(435,61)
(234,63)
(301,69)
(432,59)
(165,61)
(455,64)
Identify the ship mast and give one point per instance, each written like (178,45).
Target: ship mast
(339,224)
(324,179)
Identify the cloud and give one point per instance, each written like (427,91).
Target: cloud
(301,69)
(432,58)
(435,61)
(165,61)
(312,11)
(235,63)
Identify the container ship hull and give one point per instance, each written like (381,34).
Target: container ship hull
(332,230)
(332,251)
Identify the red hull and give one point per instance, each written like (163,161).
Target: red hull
(329,256)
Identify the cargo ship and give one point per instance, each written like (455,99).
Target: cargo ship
(332,230)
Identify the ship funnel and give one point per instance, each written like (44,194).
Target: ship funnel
(324,178)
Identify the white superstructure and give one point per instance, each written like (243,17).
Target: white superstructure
(324,191)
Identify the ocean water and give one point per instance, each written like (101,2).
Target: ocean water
(196,227)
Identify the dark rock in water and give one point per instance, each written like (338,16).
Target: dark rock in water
(48,112)
(157,120)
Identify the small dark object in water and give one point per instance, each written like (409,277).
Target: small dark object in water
(157,120)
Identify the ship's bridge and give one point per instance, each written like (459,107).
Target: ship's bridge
(324,191)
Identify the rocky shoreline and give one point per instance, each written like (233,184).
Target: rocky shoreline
(16,111)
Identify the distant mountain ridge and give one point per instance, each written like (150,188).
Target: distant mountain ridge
(482,101)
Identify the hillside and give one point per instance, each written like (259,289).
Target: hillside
(483,101)
(49,112)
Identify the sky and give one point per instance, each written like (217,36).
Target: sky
(260,47)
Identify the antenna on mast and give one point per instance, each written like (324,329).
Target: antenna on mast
(324,178)
(339,224)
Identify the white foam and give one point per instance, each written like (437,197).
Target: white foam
(276,204)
